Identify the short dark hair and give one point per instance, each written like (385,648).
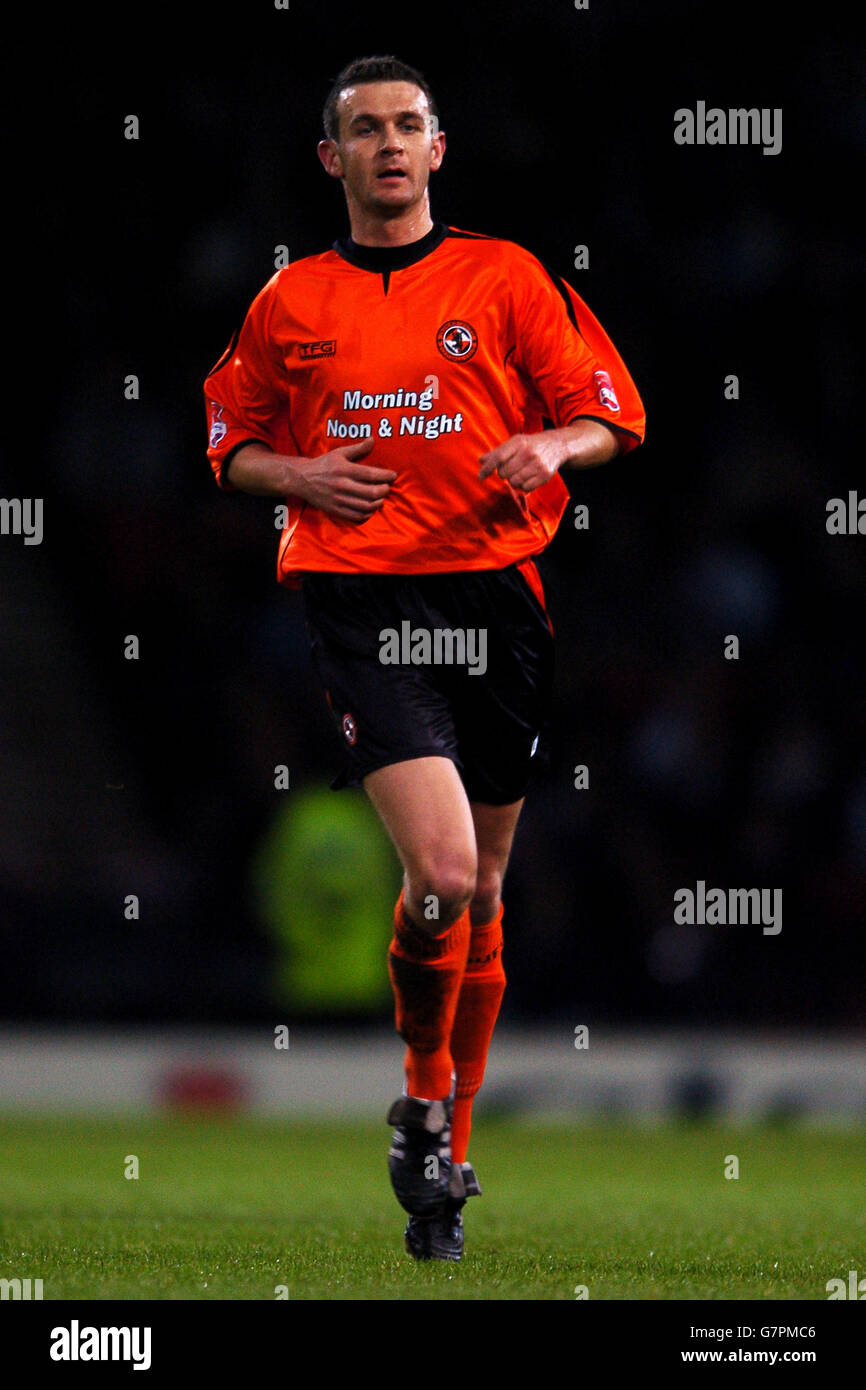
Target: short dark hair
(383,68)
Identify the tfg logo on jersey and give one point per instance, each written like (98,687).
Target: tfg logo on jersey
(457,339)
(326,347)
(604,390)
(218,427)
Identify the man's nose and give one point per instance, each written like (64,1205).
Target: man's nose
(391,138)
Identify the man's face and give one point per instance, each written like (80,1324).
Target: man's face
(386,148)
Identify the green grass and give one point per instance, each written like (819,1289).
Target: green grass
(229,1209)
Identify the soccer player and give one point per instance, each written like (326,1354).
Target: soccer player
(411,395)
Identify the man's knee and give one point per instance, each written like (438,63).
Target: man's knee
(484,904)
(440,891)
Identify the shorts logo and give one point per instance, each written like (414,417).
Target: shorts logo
(218,428)
(326,347)
(350,729)
(457,339)
(604,390)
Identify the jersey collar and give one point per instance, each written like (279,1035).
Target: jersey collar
(381,258)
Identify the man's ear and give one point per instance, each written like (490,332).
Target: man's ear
(437,150)
(329,154)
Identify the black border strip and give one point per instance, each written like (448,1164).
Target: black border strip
(563,293)
(224,465)
(611,424)
(472,236)
(229,350)
(381,258)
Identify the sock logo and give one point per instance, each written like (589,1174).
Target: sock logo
(484,960)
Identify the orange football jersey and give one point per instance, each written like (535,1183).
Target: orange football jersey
(439,351)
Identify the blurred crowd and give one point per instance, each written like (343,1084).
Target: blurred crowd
(154,778)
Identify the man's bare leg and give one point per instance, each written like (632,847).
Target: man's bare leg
(483,983)
(424,807)
(494,836)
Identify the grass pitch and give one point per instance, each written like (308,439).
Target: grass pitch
(235,1208)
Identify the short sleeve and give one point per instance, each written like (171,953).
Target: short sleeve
(245,392)
(567,356)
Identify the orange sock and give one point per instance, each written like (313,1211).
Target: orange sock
(477,1010)
(426,972)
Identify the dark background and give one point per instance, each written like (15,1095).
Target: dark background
(155,776)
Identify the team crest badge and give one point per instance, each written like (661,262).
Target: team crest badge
(350,729)
(605,391)
(457,339)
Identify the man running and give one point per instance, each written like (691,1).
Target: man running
(411,395)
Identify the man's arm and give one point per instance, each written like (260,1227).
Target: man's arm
(257,469)
(528,460)
(335,482)
(577,376)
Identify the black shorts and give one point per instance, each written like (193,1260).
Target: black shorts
(455,665)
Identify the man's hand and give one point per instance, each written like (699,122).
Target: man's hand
(342,487)
(526,461)
(336,482)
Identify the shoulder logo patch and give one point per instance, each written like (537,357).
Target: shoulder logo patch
(457,339)
(605,391)
(218,427)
